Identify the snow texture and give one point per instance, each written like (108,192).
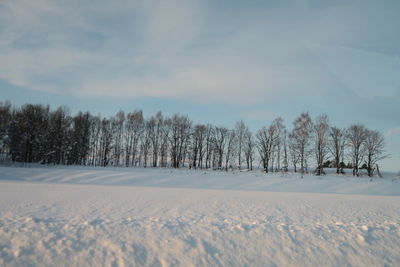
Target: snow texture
(155,217)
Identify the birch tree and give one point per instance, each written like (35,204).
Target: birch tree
(337,146)
(133,131)
(221,135)
(230,148)
(321,133)
(356,136)
(118,128)
(301,135)
(249,145)
(266,140)
(278,125)
(240,130)
(374,149)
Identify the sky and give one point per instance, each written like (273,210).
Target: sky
(217,61)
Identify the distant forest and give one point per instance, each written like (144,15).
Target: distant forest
(36,133)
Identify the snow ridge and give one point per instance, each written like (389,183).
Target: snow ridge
(73,217)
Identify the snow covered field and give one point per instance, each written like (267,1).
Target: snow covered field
(161,217)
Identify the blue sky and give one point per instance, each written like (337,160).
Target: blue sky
(216,61)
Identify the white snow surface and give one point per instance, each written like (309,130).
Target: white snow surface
(162,217)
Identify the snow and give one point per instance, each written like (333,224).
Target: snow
(162,217)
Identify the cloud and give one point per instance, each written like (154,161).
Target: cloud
(393,132)
(262,115)
(198,51)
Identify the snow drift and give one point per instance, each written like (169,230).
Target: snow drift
(153,217)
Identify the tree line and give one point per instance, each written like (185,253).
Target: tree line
(35,133)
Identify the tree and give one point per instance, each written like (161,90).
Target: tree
(80,138)
(164,137)
(321,130)
(356,136)
(336,147)
(155,135)
(145,144)
(201,133)
(301,136)
(118,129)
(285,166)
(221,136)
(134,128)
(197,145)
(94,140)
(106,141)
(293,150)
(374,149)
(58,137)
(180,132)
(278,125)
(29,132)
(249,149)
(5,122)
(230,148)
(34,133)
(266,140)
(240,130)
(209,143)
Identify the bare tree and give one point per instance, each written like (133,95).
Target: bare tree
(155,132)
(58,138)
(106,141)
(134,128)
(164,142)
(209,143)
(197,145)
(285,166)
(118,128)
(240,129)
(336,147)
(221,136)
(278,124)
(185,130)
(249,149)
(145,144)
(180,133)
(29,133)
(321,131)
(201,133)
(266,140)
(230,148)
(356,136)
(374,148)
(301,137)
(5,122)
(79,138)
(34,133)
(293,150)
(94,140)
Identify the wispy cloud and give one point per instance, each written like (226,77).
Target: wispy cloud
(393,132)
(200,51)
